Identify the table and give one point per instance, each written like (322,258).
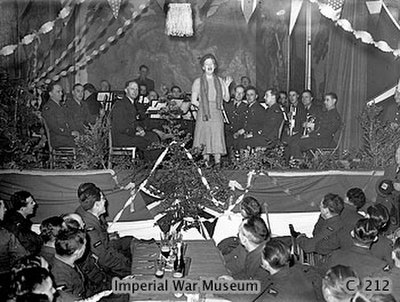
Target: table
(206,262)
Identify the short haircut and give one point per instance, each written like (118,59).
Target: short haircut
(48,227)
(245,77)
(380,214)
(335,280)
(257,229)
(176,86)
(18,200)
(76,85)
(282,92)
(89,87)
(68,241)
(50,87)
(143,66)
(294,90)
(396,248)
(251,206)
(131,81)
(308,91)
(365,231)
(88,194)
(274,92)
(332,95)
(333,202)
(239,86)
(356,197)
(277,254)
(251,88)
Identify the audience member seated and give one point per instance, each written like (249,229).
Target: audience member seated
(382,248)
(353,202)
(93,105)
(33,284)
(321,132)
(236,112)
(285,282)
(58,119)
(388,196)
(153,95)
(335,282)
(96,277)
(17,221)
(78,109)
(49,229)
(283,100)
(92,210)
(253,133)
(253,234)
(359,255)
(124,121)
(143,79)
(328,224)
(10,251)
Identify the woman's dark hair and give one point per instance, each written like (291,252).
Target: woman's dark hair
(209,56)
(251,206)
(48,228)
(380,214)
(277,254)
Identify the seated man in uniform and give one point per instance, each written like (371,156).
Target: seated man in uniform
(77,109)
(113,255)
(58,119)
(329,222)
(322,131)
(274,116)
(126,130)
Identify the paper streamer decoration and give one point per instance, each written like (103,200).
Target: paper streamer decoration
(345,24)
(44,29)
(115,5)
(179,20)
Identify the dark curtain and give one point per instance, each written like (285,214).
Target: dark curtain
(346,72)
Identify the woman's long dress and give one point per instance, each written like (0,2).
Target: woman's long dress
(209,134)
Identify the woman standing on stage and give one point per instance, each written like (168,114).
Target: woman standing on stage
(208,91)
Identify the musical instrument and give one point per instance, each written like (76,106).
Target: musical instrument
(310,119)
(292,119)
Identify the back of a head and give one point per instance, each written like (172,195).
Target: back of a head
(50,227)
(365,231)
(27,280)
(74,221)
(68,241)
(334,203)
(277,254)
(381,298)
(335,282)
(250,206)
(356,197)
(18,200)
(380,214)
(396,249)
(88,194)
(257,229)
(89,87)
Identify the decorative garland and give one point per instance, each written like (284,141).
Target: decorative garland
(101,49)
(44,29)
(365,37)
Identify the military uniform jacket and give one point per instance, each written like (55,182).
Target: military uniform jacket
(273,121)
(391,112)
(59,124)
(359,258)
(328,123)
(108,258)
(21,228)
(255,119)
(299,117)
(290,284)
(10,250)
(123,121)
(78,114)
(236,115)
(324,231)
(69,279)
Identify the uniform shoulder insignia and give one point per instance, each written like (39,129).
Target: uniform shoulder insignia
(272,291)
(90,229)
(96,244)
(386,268)
(330,228)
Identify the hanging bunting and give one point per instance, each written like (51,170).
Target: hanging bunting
(115,5)
(179,20)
